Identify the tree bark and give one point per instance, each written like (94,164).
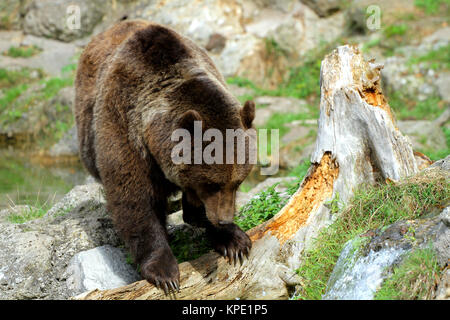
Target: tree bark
(357,143)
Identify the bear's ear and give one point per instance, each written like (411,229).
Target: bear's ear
(248,113)
(187,120)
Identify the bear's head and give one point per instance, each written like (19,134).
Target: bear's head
(225,157)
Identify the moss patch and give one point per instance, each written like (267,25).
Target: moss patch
(413,279)
(22,51)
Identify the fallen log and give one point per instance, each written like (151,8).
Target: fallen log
(358,142)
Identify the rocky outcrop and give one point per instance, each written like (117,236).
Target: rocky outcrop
(254,39)
(11,12)
(55,55)
(102,268)
(424,134)
(323,8)
(54,19)
(67,146)
(34,256)
(268,106)
(417,80)
(72,249)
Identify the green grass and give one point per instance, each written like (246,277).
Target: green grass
(11,78)
(430,6)
(300,171)
(370,209)
(278,121)
(413,279)
(53,85)
(406,108)
(26,215)
(436,59)
(371,44)
(22,52)
(15,84)
(11,108)
(439,154)
(10,95)
(395,30)
(273,48)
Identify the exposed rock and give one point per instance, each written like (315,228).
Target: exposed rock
(51,18)
(293,154)
(216,42)
(398,76)
(357,13)
(369,259)
(54,56)
(323,8)
(444,118)
(239,33)
(443,164)
(67,146)
(34,255)
(271,105)
(438,38)
(240,91)
(101,268)
(424,135)
(442,241)
(11,13)
(356,277)
(175,219)
(443,85)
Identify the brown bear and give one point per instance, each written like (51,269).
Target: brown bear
(136,83)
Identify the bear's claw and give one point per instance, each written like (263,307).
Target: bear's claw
(232,243)
(161,270)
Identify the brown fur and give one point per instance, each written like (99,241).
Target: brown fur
(136,83)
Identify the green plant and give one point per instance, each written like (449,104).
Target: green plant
(440,154)
(273,48)
(370,44)
(300,170)
(188,246)
(413,278)
(22,51)
(406,108)
(436,59)
(53,85)
(430,6)
(395,30)
(10,95)
(261,208)
(371,208)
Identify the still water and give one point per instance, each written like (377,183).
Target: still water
(33,180)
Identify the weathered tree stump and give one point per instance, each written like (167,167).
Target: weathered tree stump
(358,143)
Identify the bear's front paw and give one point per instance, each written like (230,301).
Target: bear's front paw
(161,269)
(231,242)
